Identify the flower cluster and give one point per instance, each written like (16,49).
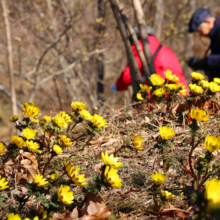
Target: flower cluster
(156,80)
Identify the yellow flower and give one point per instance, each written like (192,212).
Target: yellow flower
(112,177)
(40,181)
(214,87)
(57,149)
(32,145)
(99,121)
(111,160)
(137,142)
(158,178)
(166,133)
(54,176)
(145,87)
(35,120)
(170,77)
(72,173)
(29,133)
(66,141)
(212,143)
(12,216)
(139,96)
(3,184)
(212,193)
(65,196)
(195,89)
(159,92)
(183,90)
(2,148)
(167,195)
(217,80)
(85,114)
(156,80)
(42,214)
(199,115)
(30,109)
(36,218)
(18,141)
(39,151)
(14,118)
(197,76)
(60,121)
(66,117)
(173,86)
(204,84)
(47,118)
(78,106)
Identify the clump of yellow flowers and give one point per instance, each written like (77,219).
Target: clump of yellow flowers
(166,195)
(199,115)
(197,76)
(195,89)
(166,133)
(170,77)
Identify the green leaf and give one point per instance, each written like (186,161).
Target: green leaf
(53,191)
(3,197)
(44,200)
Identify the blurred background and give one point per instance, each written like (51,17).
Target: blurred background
(62,50)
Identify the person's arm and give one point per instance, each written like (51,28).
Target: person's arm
(213,60)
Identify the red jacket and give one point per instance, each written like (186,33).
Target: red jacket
(164,60)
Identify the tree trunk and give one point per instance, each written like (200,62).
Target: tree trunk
(158,18)
(10,58)
(134,71)
(143,32)
(189,42)
(138,47)
(99,61)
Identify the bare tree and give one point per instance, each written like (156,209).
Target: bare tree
(134,71)
(158,18)
(143,32)
(10,58)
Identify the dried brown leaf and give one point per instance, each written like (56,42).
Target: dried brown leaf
(103,213)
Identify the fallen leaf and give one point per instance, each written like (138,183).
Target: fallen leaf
(103,213)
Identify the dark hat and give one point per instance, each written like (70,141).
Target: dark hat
(199,16)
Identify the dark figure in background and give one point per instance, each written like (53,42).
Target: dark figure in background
(207,26)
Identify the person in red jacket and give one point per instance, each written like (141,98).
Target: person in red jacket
(165,59)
